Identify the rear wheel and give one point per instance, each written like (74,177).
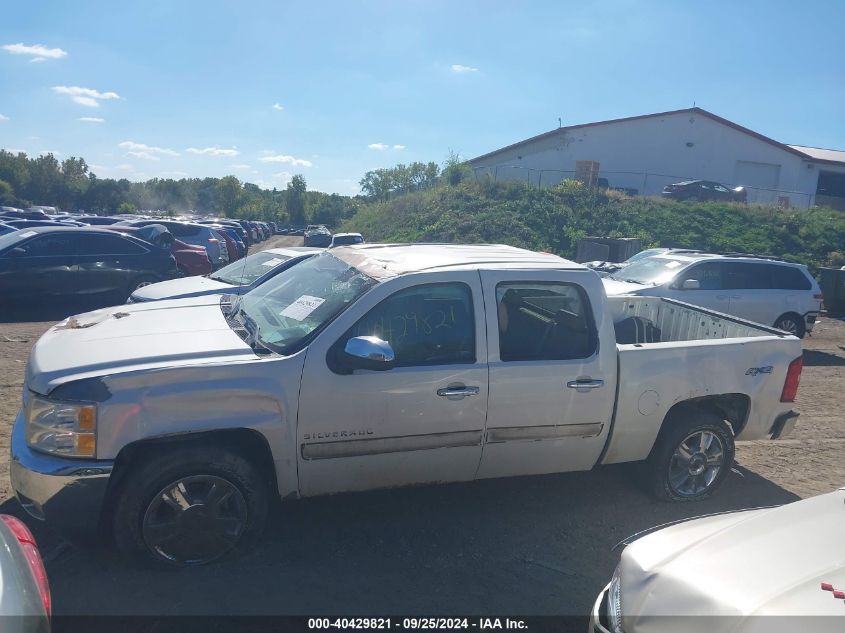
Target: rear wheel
(793,324)
(693,455)
(190,507)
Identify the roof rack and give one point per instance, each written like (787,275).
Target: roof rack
(752,255)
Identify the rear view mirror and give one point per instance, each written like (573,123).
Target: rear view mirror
(368,352)
(690,284)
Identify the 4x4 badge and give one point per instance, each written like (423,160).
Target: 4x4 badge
(756,371)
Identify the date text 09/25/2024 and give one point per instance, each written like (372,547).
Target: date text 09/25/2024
(418,623)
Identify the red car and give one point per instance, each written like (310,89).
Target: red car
(231,245)
(190,259)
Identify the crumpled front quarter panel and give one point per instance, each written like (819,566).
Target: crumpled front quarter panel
(261,395)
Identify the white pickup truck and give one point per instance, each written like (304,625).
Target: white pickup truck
(172,424)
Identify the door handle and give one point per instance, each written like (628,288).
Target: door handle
(457,391)
(585,384)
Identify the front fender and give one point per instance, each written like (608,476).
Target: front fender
(261,395)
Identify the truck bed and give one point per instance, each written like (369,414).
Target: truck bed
(694,353)
(677,321)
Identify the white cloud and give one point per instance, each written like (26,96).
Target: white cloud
(125,167)
(38,52)
(144,155)
(284,176)
(44,152)
(91,119)
(283,158)
(460,68)
(177,174)
(85,96)
(3,118)
(213,151)
(142,147)
(278,106)
(384,146)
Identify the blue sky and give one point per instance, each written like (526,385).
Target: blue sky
(188,88)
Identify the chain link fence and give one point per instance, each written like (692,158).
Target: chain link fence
(634,183)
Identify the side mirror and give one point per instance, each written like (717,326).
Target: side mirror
(690,284)
(368,352)
(17,252)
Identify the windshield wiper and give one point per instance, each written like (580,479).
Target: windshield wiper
(222,280)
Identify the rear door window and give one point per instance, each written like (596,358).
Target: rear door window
(746,276)
(95,244)
(544,321)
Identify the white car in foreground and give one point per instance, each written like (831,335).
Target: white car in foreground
(764,290)
(741,572)
(235,279)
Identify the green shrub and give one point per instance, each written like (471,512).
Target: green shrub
(554,219)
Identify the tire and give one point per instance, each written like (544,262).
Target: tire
(151,523)
(669,478)
(793,324)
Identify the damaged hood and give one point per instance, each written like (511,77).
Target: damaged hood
(730,567)
(183,287)
(133,337)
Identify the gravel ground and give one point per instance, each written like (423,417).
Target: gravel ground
(525,546)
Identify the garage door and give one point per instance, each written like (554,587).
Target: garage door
(762,175)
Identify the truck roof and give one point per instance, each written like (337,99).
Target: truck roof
(383,261)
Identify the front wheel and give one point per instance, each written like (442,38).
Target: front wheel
(693,455)
(190,507)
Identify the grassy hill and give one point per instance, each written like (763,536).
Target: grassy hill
(554,219)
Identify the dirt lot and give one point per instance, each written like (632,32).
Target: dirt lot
(529,546)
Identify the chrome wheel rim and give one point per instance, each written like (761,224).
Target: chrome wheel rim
(142,284)
(195,520)
(696,463)
(787,325)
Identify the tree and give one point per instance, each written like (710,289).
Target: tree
(380,184)
(295,200)
(7,194)
(228,195)
(455,170)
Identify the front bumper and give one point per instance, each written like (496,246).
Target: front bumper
(66,493)
(597,618)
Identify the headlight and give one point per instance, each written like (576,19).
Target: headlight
(62,428)
(614,604)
